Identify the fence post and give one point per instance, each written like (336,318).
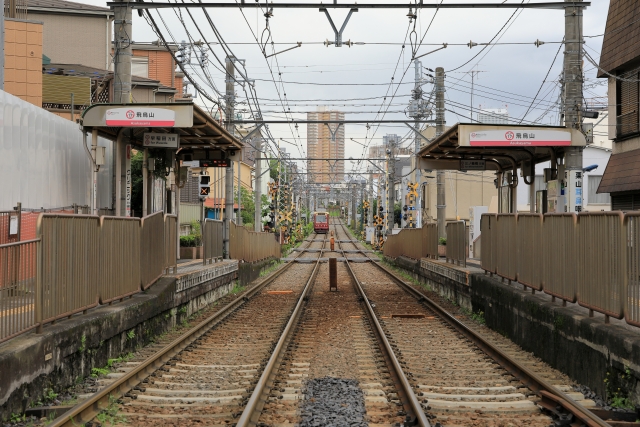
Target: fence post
(39,289)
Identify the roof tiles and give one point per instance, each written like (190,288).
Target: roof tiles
(621,43)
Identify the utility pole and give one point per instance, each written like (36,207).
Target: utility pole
(417,93)
(353,206)
(122,62)
(440,184)
(257,217)
(238,215)
(391,151)
(228,190)
(362,206)
(573,86)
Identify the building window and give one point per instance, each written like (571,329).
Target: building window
(140,66)
(628,108)
(594,198)
(625,202)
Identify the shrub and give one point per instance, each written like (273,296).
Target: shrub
(442,241)
(190,240)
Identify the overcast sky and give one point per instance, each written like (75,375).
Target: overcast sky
(509,75)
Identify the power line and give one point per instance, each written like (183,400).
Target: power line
(492,39)
(542,84)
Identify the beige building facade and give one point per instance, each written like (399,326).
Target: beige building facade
(66,23)
(23,60)
(462,191)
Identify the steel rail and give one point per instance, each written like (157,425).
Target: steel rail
(406,394)
(253,409)
(551,396)
(87,410)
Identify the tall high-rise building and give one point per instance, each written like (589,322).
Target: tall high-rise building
(493,116)
(325,141)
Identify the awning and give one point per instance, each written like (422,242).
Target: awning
(622,173)
(496,147)
(195,127)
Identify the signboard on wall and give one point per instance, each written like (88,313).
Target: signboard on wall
(161,140)
(518,137)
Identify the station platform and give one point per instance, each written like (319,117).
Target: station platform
(70,348)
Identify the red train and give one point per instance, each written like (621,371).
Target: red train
(321,222)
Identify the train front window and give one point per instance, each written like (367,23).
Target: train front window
(321,218)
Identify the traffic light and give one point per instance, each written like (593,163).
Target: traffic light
(205,186)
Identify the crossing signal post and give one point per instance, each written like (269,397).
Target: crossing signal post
(409,209)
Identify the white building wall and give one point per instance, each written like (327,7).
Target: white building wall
(42,161)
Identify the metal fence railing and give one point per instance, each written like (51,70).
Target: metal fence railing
(488,227)
(506,246)
(559,239)
(408,243)
(170,243)
(119,257)
(251,246)
(430,240)
(590,258)
(212,241)
(152,248)
(69,266)
(602,253)
(79,261)
(632,310)
(529,246)
(413,243)
(457,243)
(17,287)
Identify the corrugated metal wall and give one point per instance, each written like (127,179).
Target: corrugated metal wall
(42,161)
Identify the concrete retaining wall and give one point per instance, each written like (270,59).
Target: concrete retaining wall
(586,349)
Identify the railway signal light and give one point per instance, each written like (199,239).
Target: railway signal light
(205,187)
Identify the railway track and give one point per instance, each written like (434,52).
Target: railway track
(377,353)
(205,376)
(467,380)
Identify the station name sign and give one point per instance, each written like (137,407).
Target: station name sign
(520,138)
(140,117)
(161,140)
(473,165)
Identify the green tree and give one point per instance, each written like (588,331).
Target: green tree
(248,206)
(397,214)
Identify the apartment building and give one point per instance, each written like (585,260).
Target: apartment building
(325,141)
